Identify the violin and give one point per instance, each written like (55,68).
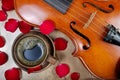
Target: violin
(91,24)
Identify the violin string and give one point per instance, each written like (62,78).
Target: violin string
(85,17)
(95,41)
(97,19)
(74,17)
(93,23)
(84,22)
(87,13)
(65,19)
(98,32)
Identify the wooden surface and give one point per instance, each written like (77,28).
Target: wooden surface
(101,58)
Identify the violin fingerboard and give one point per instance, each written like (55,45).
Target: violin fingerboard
(61,5)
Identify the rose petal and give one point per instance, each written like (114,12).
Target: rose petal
(62,70)
(2,41)
(13,74)
(24,27)
(75,76)
(60,44)
(3,58)
(8,5)
(47,27)
(3,15)
(37,68)
(11,25)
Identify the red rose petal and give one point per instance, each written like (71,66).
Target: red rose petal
(47,27)
(37,68)
(24,27)
(62,70)
(8,5)
(75,76)
(11,25)
(3,15)
(3,58)
(13,74)
(60,44)
(2,41)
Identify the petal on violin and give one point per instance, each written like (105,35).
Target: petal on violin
(47,27)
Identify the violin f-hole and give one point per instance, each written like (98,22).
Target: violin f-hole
(85,47)
(99,8)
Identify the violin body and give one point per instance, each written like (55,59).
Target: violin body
(101,58)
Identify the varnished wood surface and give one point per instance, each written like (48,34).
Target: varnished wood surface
(101,58)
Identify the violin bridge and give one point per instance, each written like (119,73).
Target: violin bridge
(90,19)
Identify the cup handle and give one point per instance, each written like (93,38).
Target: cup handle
(51,60)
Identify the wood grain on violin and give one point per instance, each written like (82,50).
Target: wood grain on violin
(91,24)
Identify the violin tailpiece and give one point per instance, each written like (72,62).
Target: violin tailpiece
(113,35)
